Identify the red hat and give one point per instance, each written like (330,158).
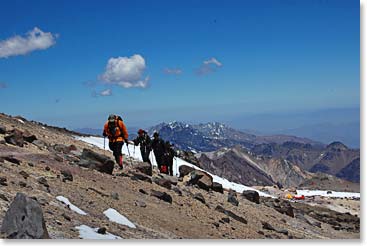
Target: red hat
(140,131)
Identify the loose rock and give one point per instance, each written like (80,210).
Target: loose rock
(24,220)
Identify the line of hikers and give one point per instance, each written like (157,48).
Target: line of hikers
(117,134)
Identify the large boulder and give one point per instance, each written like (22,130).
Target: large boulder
(185,170)
(251,195)
(217,187)
(24,220)
(93,160)
(15,138)
(202,179)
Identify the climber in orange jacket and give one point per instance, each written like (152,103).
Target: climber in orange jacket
(117,134)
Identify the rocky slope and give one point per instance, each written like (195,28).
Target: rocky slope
(45,163)
(240,165)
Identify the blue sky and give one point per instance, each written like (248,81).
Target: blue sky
(177,60)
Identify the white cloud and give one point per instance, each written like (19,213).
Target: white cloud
(126,72)
(35,39)
(209,66)
(107,92)
(176,71)
(213,61)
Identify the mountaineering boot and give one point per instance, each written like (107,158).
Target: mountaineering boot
(120,162)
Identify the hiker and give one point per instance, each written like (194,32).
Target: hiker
(145,144)
(117,134)
(168,157)
(158,147)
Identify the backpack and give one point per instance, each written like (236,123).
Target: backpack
(112,126)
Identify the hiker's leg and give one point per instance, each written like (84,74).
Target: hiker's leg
(119,152)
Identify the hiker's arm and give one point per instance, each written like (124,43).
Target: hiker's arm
(124,130)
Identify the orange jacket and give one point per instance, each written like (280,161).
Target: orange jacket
(119,136)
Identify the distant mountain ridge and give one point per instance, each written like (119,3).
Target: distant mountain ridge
(213,136)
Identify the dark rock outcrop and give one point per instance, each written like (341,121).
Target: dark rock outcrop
(43,181)
(11,159)
(3,181)
(28,137)
(231,214)
(232,198)
(15,138)
(217,187)
(199,197)
(140,176)
(2,129)
(144,167)
(161,195)
(185,170)
(162,182)
(93,160)
(202,179)
(282,206)
(24,220)
(251,195)
(67,175)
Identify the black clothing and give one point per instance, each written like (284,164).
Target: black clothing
(145,146)
(158,147)
(169,155)
(116,148)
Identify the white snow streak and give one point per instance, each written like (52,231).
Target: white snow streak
(115,216)
(71,206)
(86,232)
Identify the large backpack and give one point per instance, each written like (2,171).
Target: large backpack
(112,127)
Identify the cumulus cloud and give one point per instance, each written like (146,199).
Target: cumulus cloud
(209,66)
(35,39)
(176,71)
(3,85)
(126,72)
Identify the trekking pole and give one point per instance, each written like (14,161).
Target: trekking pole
(104,143)
(128,151)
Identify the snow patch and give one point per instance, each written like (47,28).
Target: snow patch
(20,121)
(86,232)
(115,216)
(325,193)
(70,205)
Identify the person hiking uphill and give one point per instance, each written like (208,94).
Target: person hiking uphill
(117,134)
(168,157)
(145,144)
(158,147)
